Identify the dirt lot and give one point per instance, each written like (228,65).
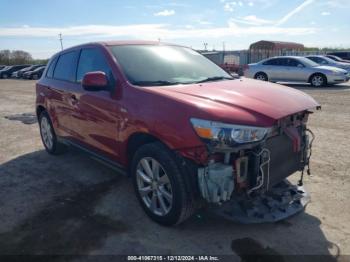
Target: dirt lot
(71,204)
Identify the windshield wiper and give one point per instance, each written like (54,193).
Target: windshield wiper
(155,83)
(215,78)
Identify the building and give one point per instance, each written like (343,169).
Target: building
(264,49)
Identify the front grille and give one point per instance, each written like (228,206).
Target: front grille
(283,160)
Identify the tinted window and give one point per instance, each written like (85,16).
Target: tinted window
(271,62)
(92,59)
(66,66)
(294,62)
(51,68)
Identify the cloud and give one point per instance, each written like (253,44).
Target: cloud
(325,13)
(165,12)
(153,31)
(294,12)
(252,20)
(229,6)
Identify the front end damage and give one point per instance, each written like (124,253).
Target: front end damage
(247,182)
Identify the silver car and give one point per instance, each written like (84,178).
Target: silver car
(296,69)
(326,61)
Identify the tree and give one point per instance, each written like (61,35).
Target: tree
(5,57)
(20,57)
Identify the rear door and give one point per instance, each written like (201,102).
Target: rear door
(96,112)
(274,69)
(62,87)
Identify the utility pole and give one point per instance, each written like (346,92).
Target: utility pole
(205,46)
(60,38)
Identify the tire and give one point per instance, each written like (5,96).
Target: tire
(49,140)
(5,76)
(167,186)
(318,80)
(35,77)
(261,76)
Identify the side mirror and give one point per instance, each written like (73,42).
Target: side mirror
(300,66)
(95,81)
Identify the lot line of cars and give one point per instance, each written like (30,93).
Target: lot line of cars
(22,71)
(315,69)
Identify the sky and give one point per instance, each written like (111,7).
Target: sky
(34,26)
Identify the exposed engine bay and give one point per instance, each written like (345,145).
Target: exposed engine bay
(250,178)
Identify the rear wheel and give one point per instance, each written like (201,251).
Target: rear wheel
(48,135)
(261,76)
(318,80)
(160,185)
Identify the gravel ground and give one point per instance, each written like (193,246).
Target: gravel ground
(70,204)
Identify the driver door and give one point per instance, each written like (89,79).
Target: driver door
(96,114)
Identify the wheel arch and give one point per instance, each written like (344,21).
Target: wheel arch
(261,72)
(317,73)
(39,110)
(136,140)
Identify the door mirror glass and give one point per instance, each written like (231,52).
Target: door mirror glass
(300,66)
(95,81)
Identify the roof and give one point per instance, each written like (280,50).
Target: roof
(264,44)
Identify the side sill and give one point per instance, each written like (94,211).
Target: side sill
(105,161)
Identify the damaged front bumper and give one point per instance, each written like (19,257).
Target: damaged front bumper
(249,185)
(280,202)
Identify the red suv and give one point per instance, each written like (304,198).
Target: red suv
(188,133)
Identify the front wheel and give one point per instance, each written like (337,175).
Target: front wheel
(35,77)
(160,185)
(318,80)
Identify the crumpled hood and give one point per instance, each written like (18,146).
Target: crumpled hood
(242,100)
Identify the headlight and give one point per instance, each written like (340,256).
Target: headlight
(227,133)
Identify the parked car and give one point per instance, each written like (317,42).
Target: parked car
(2,67)
(19,73)
(295,69)
(343,55)
(338,59)
(187,132)
(325,61)
(35,74)
(7,72)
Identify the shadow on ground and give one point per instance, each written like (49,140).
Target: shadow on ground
(71,205)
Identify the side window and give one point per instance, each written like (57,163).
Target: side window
(66,66)
(282,62)
(322,61)
(92,59)
(49,73)
(270,62)
(294,63)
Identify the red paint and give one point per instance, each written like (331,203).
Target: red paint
(95,80)
(105,121)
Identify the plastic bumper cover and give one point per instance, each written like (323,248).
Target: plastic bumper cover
(280,202)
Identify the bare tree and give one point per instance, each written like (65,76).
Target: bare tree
(20,57)
(5,57)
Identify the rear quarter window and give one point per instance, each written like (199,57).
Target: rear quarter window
(66,66)
(51,68)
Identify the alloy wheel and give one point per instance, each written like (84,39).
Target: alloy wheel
(317,80)
(154,186)
(46,132)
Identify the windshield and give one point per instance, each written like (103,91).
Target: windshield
(150,65)
(307,62)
